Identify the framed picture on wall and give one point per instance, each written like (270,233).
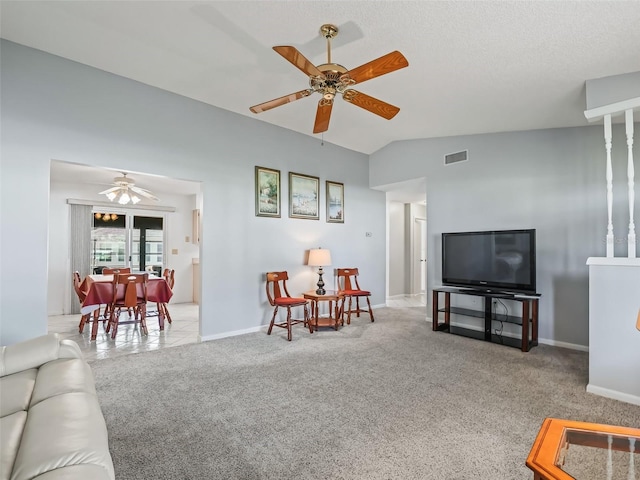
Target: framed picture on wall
(267,192)
(335,202)
(303,196)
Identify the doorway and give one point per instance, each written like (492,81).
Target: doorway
(406,242)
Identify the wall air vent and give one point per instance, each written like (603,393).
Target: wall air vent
(462,156)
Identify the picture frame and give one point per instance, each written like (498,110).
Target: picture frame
(304,196)
(334,198)
(267,193)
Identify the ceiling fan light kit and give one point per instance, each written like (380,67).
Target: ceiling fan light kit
(126,192)
(330,79)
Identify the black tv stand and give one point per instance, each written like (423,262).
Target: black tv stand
(529,316)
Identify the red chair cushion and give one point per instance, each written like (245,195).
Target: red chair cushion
(356,293)
(290,301)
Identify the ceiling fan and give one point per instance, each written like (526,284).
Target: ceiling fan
(125,191)
(330,79)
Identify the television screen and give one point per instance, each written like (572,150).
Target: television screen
(502,260)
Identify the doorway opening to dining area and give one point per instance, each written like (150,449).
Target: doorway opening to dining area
(146,237)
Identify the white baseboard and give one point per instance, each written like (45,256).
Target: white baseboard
(405,295)
(234,333)
(570,346)
(614,394)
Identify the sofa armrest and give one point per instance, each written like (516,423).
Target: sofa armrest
(36,352)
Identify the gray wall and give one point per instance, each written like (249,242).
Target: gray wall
(53,108)
(550,180)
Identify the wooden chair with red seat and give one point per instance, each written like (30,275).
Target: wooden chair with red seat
(279,296)
(129,292)
(169,276)
(349,288)
(113,271)
(86,318)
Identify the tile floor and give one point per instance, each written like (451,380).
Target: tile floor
(184,329)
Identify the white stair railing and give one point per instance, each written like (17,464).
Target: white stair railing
(606,112)
(631,242)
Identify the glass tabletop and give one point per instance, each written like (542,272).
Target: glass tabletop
(598,455)
(566,449)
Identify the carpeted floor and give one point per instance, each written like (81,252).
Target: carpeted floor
(383,400)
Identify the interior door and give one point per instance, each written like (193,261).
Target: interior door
(419,256)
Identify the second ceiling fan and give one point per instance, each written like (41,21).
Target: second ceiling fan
(330,79)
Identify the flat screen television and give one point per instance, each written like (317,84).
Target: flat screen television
(499,260)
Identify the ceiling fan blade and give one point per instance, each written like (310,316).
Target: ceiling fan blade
(293,55)
(143,192)
(109,190)
(280,101)
(384,109)
(323,115)
(386,64)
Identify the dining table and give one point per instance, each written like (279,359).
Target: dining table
(99,291)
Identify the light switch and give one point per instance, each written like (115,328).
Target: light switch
(174,251)
(187,239)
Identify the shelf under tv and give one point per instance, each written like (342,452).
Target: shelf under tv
(497,317)
(529,316)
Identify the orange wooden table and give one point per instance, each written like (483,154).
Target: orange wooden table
(556,436)
(334,318)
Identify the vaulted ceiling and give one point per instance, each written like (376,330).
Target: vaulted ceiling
(474,66)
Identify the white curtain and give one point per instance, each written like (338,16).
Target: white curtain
(80,235)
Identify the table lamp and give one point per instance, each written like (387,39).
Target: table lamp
(319,257)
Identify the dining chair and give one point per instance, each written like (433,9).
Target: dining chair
(279,296)
(163,310)
(349,288)
(86,318)
(114,270)
(129,292)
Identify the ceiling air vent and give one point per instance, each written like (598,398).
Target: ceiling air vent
(462,156)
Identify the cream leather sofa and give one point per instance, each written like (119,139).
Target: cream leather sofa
(51,425)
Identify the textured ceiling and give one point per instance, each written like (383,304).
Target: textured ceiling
(474,66)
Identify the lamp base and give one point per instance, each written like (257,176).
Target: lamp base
(320,284)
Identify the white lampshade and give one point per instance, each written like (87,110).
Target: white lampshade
(319,257)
